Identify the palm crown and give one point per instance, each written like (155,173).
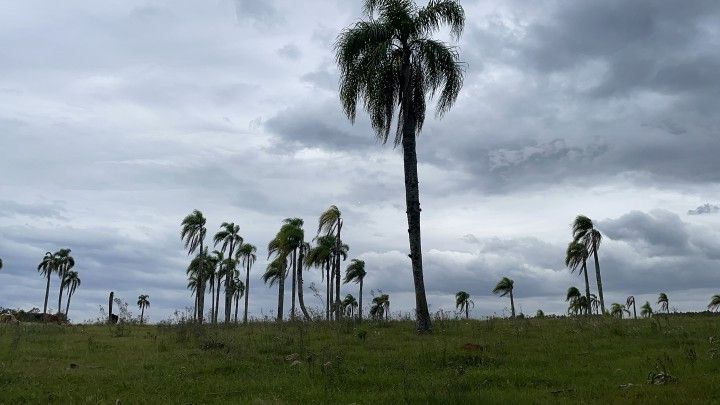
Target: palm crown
(504,287)
(143,301)
(663,301)
(714,302)
(192,231)
(355,271)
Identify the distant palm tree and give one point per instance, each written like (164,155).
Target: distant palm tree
(463,302)
(330,223)
(238,292)
(192,233)
(631,301)
(319,256)
(646,310)
(540,314)
(390,61)
(275,273)
(289,242)
(576,258)
(349,303)
(47,267)
(617,310)
(714,303)
(584,231)
(355,272)
(246,253)
(380,307)
(595,304)
(142,303)
(664,302)
(578,306)
(72,282)
(201,271)
(505,287)
(64,264)
(229,238)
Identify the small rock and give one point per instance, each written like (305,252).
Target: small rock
(292,357)
(296,363)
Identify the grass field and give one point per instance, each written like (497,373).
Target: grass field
(508,361)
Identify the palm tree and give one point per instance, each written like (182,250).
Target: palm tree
(321,256)
(594,304)
(664,302)
(584,231)
(290,242)
(391,60)
(631,301)
(714,303)
(238,288)
(64,264)
(142,303)
(222,268)
(246,253)
(331,223)
(229,237)
(463,302)
(573,296)
(505,287)
(646,310)
(275,273)
(578,306)
(192,233)
(617,310)
(349,303)
(355,272)
(72,282)
(380,307)
(47,266)
(576,257)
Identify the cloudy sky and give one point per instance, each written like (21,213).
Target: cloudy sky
(119,118)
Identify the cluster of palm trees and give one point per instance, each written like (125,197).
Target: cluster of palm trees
(60,263)
(585,242)
(288,255)
(216,271)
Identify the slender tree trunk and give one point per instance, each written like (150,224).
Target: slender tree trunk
(587,288)
(301,295)
(338,242)
(212,300)
(281,297)
(294,283)
(412,201)
(328,298)
(247,292)
(512,304)
(47,293)
(228,283)
(218,282)
(195,301)
(62,279)
(634,310)
(237,304)
(360,306)
(467,311)
(142,314)
(67,305)
(599,281)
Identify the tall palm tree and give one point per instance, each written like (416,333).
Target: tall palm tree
(617,310)
(238,292)
(321,256)
(229,237)
(290,242)
(275,273)
(142,303)
(192,233)
(576,258)
(664,302)
(349,303)
(584,231)
(631,301)
(380,307)
(646,310)
(331,223)
(72,282)
(247,254)
(505,287)
(463,302)
(222,267)
(714,303)
(64,264)
(390,60)
(47,267)
(355,272)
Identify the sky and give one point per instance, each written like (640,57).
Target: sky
(119,118)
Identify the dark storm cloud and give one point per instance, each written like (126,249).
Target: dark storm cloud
(662,233)
(705,209)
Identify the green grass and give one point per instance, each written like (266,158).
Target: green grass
(520,361)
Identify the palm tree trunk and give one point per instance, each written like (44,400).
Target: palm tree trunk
(294,285)
(331,266)
(412,201)
(338,242)
(195,301)
(327,290)
(587,288)
(360,306)
(247,292)
(228,282)
(467,311)
(512,304)
(67,305)
(142,314)
(47,293)
(237,304)
(281,296)
(217,298)
(200,293)
(301,295)
(599,281)
(62,279)
(212,300)
(634,310)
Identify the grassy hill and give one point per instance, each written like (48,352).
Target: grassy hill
(508,361)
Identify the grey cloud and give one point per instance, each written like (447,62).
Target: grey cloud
(662,233)
(705,209)
(53,209)
(263,12)
(290,51)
